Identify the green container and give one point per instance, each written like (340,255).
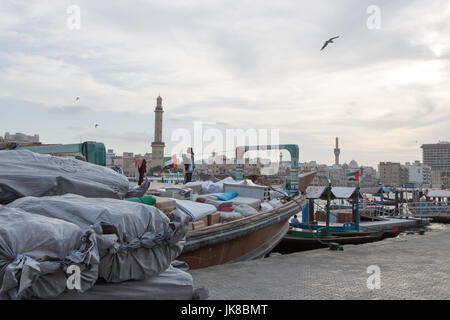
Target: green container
(149,200)
(94,152)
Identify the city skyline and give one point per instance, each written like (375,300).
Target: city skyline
(383,92)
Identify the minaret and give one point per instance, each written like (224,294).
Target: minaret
(337,151)
(158,145)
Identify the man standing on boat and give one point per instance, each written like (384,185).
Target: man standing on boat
(189,165)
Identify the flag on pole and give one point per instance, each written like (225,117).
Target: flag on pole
(171,162)
(353,175)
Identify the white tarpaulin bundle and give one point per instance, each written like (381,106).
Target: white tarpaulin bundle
(135,240)
(213,187)
(25,173)
(38,255)
(195,210)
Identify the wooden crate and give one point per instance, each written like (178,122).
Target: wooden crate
(213,218)
(320,216)
(198,224)
(344,217)
(166,205)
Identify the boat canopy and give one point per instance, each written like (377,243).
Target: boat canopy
(375,190)
(320,192)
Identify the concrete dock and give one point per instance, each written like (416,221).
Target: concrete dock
(392,222)
(410,267)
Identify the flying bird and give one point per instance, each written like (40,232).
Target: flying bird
(96,125)
(77,98)
(328,41)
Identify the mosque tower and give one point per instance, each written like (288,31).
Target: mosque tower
(158,145)
(337,151)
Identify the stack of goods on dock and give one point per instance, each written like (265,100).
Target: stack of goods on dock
(135,241)
(25,173)
(171,284)
(38,254)
(63,213)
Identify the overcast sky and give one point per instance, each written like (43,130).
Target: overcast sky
(230,64)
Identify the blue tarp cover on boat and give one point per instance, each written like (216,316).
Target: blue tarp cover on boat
(225,196)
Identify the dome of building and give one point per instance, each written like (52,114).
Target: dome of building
(353,165)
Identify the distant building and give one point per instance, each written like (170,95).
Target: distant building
(419,173)
(109,155)
(126,162)
(393,174)
(368,177)
(21,138)
(117,161)
(148,160)
(437,156)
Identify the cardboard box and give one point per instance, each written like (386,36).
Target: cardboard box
(213,218)
(175,195)
(154,185)
(198,224)
(166,205)
(196,188)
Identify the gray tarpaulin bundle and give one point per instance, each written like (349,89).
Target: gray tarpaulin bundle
(173,284)
(36,252)
(25,173)
(135,240)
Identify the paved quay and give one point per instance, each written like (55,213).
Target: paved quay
(411,267)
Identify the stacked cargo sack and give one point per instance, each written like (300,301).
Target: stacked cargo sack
(171,284)
(38,255)
(25,173)
(135,241)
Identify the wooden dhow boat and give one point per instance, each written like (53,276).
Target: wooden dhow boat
(251,237)
(243,239)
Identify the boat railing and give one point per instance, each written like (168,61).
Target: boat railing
(425,209)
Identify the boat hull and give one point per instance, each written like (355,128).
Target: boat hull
(244,239)
(293,243)
(443,219)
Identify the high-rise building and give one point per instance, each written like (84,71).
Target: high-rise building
(337,151)
(158,144)
(393,173)
(437,156)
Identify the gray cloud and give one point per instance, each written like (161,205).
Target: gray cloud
(70,110)
(234,64)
